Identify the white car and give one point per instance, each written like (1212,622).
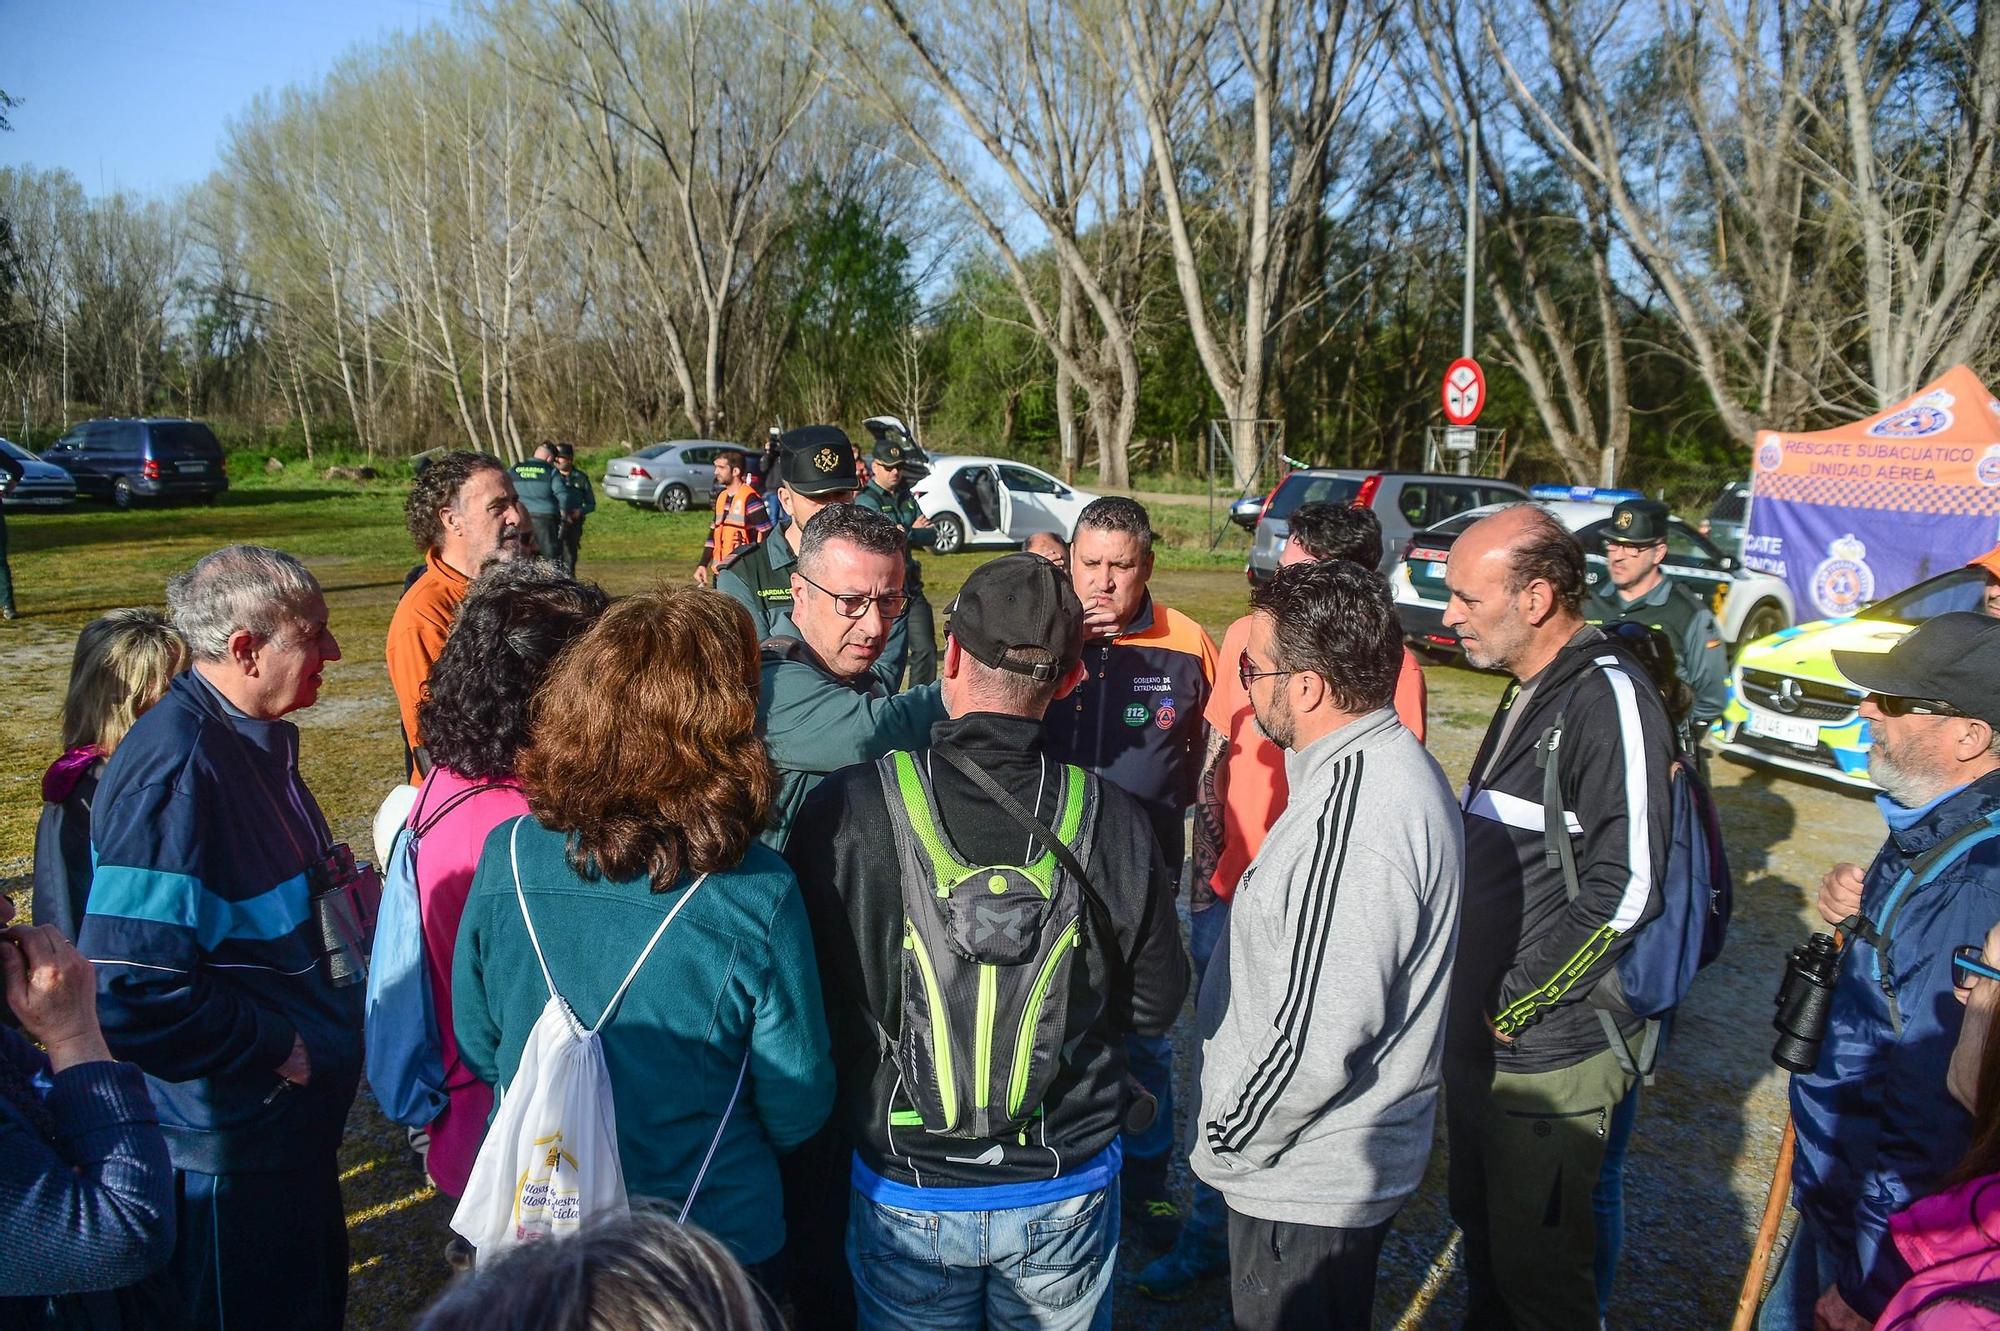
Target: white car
(995,501)
(1747,604)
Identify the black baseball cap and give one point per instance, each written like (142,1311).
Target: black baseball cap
(1018,600)
(817,460)
(1638,522)
(1953,658)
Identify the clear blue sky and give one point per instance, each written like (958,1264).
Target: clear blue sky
(132,94)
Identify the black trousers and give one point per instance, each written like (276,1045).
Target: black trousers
(548,535)
(571,543)
(921,664)
(1286,1277)
(262,1250)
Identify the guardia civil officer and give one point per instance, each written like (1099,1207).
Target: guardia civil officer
(1637,592)
(894,464)
(540,488)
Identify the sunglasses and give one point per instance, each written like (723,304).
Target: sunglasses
(1890,704)
(1968,964)
(853,605)
(1246,671)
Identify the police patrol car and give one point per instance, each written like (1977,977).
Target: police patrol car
(1788,706)
(1747,604)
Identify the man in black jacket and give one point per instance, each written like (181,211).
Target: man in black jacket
(1019,1227)
(1531,1078)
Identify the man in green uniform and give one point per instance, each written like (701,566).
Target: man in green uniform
(540,490)
(888,493)
(816,468)
(821,705)
(1637,592)
(578,502)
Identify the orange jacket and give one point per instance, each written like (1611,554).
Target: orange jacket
(417,632)
(740,519)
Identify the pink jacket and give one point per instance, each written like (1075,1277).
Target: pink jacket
(446,857)
(1952,1242)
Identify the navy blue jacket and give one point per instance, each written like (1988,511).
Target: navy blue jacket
(1876,1127)
(207,962)
(88,1191)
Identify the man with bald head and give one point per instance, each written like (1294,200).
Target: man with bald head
(1540,1048)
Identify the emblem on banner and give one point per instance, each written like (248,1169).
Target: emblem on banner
(1843,582)
(1770,453)
(1987,469)
(1927,415)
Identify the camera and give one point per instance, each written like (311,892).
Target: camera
(1804,1000)
(343,897)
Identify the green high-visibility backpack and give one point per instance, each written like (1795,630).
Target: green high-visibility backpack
(987,955)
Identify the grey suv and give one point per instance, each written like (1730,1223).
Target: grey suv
(1406,502)
(131,459)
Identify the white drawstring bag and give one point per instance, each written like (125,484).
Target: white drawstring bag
(550,1158)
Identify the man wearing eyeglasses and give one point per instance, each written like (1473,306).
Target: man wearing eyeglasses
(822,704)
(1876,1126)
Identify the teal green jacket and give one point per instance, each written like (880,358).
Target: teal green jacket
(734,973)
(539,485)
(573,492)
(815,723)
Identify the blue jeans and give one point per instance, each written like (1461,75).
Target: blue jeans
(1607,1199)
(1151,1060)
(1032,1268)
(1802,1277)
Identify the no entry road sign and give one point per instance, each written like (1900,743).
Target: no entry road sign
(1464,391)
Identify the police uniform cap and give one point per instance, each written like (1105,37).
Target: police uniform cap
(1638,522)
(817,460)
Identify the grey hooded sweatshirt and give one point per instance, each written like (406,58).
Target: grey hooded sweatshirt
(1322,1013)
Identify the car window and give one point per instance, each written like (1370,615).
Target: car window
(1498,494)
(183,439)
(1305,488)
(695,457)
(15,451)
(1960,589)
(652,450)
(1686,547)
(1022,481)
(1413,501)
(1449,499)
(1455,526)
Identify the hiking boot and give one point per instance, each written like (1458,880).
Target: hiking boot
(8,612)
(1179,1273)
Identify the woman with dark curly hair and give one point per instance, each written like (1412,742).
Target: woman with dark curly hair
(648,785)
(514,620)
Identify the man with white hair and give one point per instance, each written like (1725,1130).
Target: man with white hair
(220,970)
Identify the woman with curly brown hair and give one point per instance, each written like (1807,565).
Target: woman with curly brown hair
(646,781)
(511,625)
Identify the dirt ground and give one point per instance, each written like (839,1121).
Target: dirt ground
(1708,1131)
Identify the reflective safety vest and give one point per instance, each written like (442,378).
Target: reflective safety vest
(733,526)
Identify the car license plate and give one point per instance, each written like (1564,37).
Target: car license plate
(1434,569)
(1790,729)
(190,466)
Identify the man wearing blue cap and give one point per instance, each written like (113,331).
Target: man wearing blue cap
(1876,1127)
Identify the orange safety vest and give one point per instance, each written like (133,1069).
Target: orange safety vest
(732,525)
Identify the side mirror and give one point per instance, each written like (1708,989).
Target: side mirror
(1245,512)
(1729,564)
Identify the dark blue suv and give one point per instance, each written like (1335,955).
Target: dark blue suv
(128,460)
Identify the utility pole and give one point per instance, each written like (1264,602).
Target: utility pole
(1471,251)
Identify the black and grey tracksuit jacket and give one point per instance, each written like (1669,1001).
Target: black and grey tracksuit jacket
(1529,959)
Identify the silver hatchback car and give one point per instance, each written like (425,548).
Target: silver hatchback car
(672,477)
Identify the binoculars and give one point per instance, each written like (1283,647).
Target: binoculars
(1804,999)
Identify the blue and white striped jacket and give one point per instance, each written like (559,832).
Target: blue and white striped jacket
(205,952)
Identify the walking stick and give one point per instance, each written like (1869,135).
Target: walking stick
(1767,1233)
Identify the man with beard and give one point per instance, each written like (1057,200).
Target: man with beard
(1530,1074)
(1322,1011)
(1876,1127)
(463,513)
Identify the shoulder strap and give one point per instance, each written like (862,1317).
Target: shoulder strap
(1041,832)
(426,824)
(577,1027)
